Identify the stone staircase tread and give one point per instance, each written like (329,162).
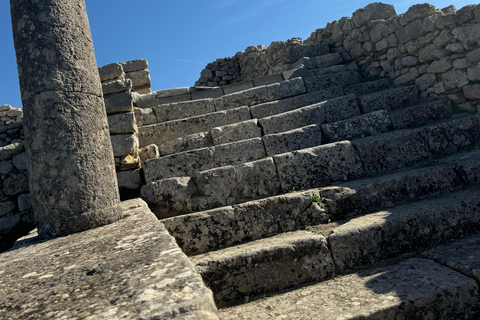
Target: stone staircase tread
(411,289)
(367,87)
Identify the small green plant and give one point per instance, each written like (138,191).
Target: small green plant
(294,189)
(309,228)
(320,201)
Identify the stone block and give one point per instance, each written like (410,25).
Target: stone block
(426,81)
(111,71)
(20,162)
(391,151)
(296,73)
(15,113)
(364,125)
(452,136)
(238,152)
(174,99)
(286,89)
(24,202)
(129,180)
(148,100)
(139,78)
(388,99)
(306,137)
(328,60)
(373,11)
(367,87)
(7,208)
(124,144)
(161,133)
(318,166)
(328,111)
(187,109)
(190,142)
(236,132)
(454,79)
(15,184)
(145,116)
(210,93)
(305,62)
(247,97)
(238,86)
(149,152)
(288,104)
(317,82)
(421,114)
(119,102)
(173,92)
(122,123)
(6,167)
(116,86)
(216,185)
(472,92)
(468,35)
(178,165)
(419,11)
(134,65)
(266,80)
(11,150)
(5,107)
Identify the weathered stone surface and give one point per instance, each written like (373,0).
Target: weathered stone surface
(216,186)
(392,292)
(139,78)
(468,35)
(164,132)
(247,97)
(452,136)
(257,179)
(426,81)
(210,93)
(236,132)
(319,166)
(20,162)
(148,152)
(419,11)
(285,89)
(388,99)
(266,80)
(410,32)
(393,150)
(169,197)
(129,180)
(15,184)
(472,91)
(440,66)
(238,86)
(134,65)
(190,142)
(111,71)
(473,73)
(291,259)
(124,144)
(116,86)
(328,60)
(119,102)
(373,11)
(328,111)
(420,114)
(148,100)
(401,229)
(306,137)
(24,202)
(316,81)
(7,208)
(90,263)
(275,107)
(365,125)
(454,79)
(174,99)
(11,150)
(122,123)
(6,167)
(367,87)
(186,109)
(238,152)
(173,92)
(145,116)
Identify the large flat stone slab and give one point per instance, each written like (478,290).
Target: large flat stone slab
(131,269)
(413,289)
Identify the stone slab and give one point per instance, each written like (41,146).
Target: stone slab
(420,114)
(453,135)
(174,99)
(111,71)
(247,97)
(134,65)
(390,99)
(316,81)
(388,293)
(414,226)
(363,88)
(72,277)
(266,80)
(266,265)
(306,137)
(187,143)
(116,86)
(173,92)
(288,104)
(145,116)
(119,102)
(291,74)
(328,111)
(318,166)
(238,152)
(237,86)
(124,144)
(285,89)
(236,132)
(11,150)
(328,60)
(210,93)
(122,123)
(186,109)
(139,78)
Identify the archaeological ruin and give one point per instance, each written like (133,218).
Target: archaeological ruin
(331,178)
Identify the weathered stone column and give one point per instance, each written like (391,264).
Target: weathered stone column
(69,154)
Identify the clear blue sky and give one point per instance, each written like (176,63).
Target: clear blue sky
(178,38)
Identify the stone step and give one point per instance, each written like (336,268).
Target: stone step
(219,228)
(420,114)
(389,99)
(367,87)
(410,289)
(317,80)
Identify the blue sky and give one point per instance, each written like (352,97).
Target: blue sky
(178,38)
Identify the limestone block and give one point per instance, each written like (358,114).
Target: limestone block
(111,71)
(473,73)
(306,137)
(426,81)
(169,197)
(440,66)
(391,151)
(162,132)
(285,89)
(148,100)
(247,97)
(24,202)
(119,102)
(238,86)
(465,14)
(468,35)
(20,162)
(11,150)
(419,11)
(474,55)
(364,125)
(122,123)
(210,93)
(432,52)
(288,104)
(373,11)
(173,92)
(307,62)
(317,82)
(14,112)
(328,60)
(257,179)
(388,99)
(216,184)
(5,107)
(139,78)
(178,165)
(238,152)
(145,116)
(6,167)
(236,132)
(186,109)
(148,152)
(454,79)
(129,180)
(472,92)
(115,86)
(420,114)
(15,184)
(410,61)
(318,166)
(327,111)
(410,32)
(266,80)
(190,142)
(134,65)
(124,144)
(452,136)
(296,73)
(7,208)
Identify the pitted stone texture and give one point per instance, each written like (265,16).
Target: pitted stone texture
(319,166)
(124,144)
(317,81)
(139,78)
(122,123)
(145,116)
(306,137)
(134,65)
(238,152)
(220,228)
(288,104)
(163,132)
(73,276)
(15,184)
(328,60)
(452,136)
(116,86)
(187,109)
(420,114)
(216,186)
(389,99)
(169,197)
(148,152)
(328,111)
(236,132)
(373,11)
(11,150)
(364,125)
(391,151)
(367,87)
(187,143)
(111,71)
(248,97)
(120,102)
(286,89)
(406,228)
(266,265)
(388,293)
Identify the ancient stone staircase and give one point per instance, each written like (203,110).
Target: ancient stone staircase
(296,187)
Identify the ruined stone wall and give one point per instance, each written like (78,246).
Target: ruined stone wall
(438,50)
